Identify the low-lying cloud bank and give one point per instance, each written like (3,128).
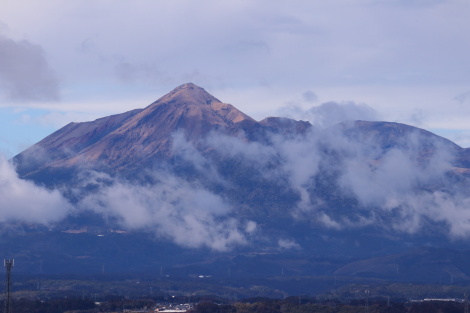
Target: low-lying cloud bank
(340,181)
(23,201)
(401,187)
(174,209)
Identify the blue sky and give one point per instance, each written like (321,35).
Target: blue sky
(77,60)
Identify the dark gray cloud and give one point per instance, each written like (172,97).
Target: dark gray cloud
(25,74)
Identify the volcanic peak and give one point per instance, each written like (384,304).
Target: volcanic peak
(187,93)
(137,137)
(194,101)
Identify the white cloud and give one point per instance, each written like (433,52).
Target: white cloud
(176,210)
(23,201)
(330,113)
(288,244)
(397,188)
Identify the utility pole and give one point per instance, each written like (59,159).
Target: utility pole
(8,263)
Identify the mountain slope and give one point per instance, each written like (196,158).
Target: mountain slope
(148,133)
(68,141)
(135,137)
(387,136)
(193,171)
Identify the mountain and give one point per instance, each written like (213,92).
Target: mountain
(133,137)
(201,180)
(138,137)
(144,136)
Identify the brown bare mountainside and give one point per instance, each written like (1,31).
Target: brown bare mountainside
(134,137)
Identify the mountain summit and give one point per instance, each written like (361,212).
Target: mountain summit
(193,102)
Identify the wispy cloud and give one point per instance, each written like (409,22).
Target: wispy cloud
(182,212)
(328,113)
(23,201)
(398,183)
(388,176)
